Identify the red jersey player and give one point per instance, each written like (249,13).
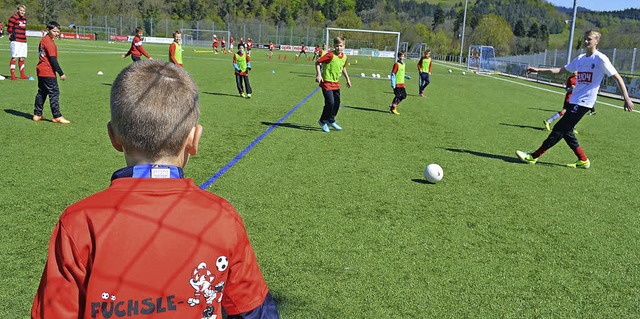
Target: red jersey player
(270,49)
(153,244)
(17,29)
(136,49)
(47,82)
(249,46)
(214,45)
(303,50)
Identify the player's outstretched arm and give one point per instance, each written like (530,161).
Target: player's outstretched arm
(547,70)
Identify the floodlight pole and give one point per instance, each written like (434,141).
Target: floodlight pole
(464,23)
(573,26)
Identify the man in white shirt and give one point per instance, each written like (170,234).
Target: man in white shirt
(591,67)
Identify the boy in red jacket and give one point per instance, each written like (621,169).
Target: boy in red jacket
(46,69)
(136,50)
(153,244)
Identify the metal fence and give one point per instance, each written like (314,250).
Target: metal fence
(259,32)
(625,60)
(202,31)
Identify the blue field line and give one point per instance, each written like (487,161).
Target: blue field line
(215,176)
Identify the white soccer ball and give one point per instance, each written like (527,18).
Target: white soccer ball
(463,73)
(388,76)
(433,173)
(362,75)
(222,263)
(373,75)
(450,71)
(100,73)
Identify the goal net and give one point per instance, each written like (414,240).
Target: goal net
(481,59)
(100,33)
(366,43)
(203,37)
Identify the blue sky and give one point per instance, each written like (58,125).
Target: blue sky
(599,5)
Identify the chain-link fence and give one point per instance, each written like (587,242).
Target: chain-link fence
(202,31)
(260,33)
(626,62)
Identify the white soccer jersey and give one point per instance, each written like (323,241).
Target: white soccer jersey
(591,69)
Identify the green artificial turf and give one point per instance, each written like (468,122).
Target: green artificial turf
(343,224)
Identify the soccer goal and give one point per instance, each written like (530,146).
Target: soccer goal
(100,33)
(370,43)
(481,59)
(203,37)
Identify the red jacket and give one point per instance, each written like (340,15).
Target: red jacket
(152,248)
(136,48)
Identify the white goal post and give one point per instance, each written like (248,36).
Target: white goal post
(366,50)
(482,59)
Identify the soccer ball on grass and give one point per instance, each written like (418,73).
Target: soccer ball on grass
(433,173)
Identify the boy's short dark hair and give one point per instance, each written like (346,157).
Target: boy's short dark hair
(52,24)
(154,106)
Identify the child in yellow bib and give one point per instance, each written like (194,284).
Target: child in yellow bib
(397,83)
(328,70)
(424,69)
(242,65)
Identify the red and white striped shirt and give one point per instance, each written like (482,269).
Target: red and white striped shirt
(17,28)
